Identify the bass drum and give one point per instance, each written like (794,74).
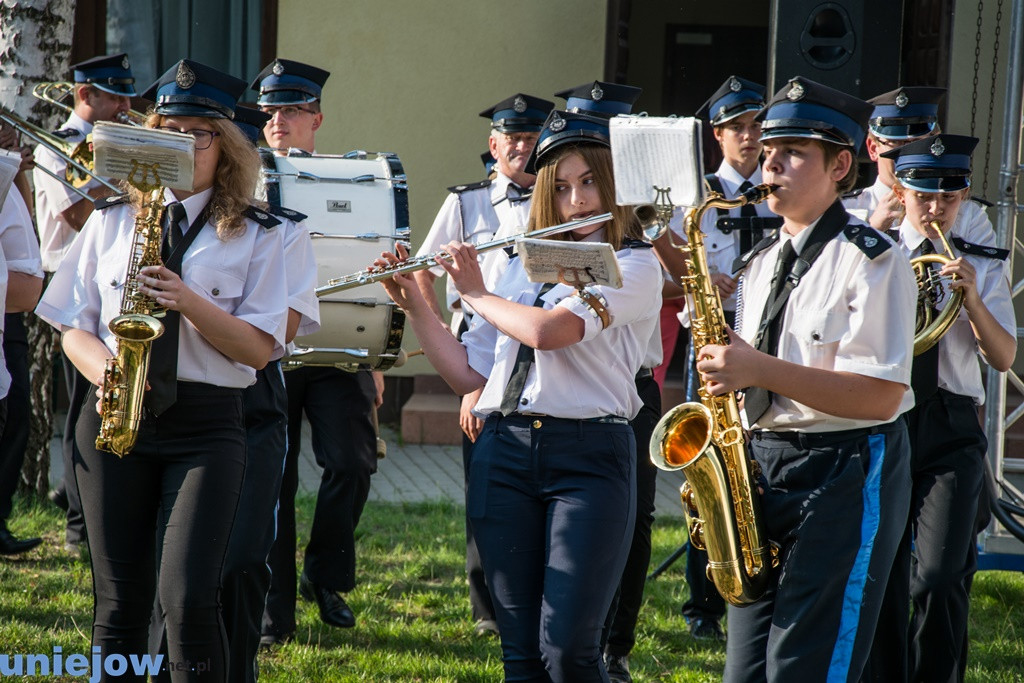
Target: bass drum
(357,207)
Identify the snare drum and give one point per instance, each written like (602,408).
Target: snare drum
(357,207)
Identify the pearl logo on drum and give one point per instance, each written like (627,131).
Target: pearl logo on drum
(339,206)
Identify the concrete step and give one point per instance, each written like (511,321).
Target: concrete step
(431,415)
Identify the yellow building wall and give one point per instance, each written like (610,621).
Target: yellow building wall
(410,76)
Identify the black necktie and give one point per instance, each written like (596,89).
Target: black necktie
(163,361)
(924,374)
(757,399)
(521,369)
(748,238)
(518,194)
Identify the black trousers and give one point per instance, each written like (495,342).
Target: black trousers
(836,502)
(938,555)
(620,625)
(189,462)
(480,602)
(339,407)
(14,432)
(79,392)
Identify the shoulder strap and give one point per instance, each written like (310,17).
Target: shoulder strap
(979,250)
(262,217)
(107,202)
(867,239)
(741,262)
(459,189)
(715,183)
(285,212)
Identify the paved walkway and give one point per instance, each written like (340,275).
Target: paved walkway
(412,473)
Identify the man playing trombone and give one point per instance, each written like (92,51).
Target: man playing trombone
(102,88)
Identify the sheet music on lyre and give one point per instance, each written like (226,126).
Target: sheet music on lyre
(144,156)
(572,263)
(651,152)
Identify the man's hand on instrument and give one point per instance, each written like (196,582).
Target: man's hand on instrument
(728,368)
(726,285)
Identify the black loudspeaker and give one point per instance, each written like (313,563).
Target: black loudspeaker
(852,45)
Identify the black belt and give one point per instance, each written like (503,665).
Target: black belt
(644,373)
(817,439)
(604,419)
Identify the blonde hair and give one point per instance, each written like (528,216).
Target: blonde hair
(234,182)
(544,208)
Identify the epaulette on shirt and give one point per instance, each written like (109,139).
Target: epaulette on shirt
(979,250)
(107,202)
(65,133)
(635,244)
(741,262)
(867,239)
(459,189)
(262,217)
(285,212)
(854,193)
(984,202)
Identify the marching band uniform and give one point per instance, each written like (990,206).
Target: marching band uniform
(339,406)
(19,251)
(476,213)
(835,489)
(947,442)
(189,457)
(110,74)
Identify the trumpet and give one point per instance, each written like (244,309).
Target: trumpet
(78,156)
(57,92)
(371,275)
(931,326)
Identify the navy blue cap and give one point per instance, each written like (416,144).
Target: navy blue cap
(736,97)
(110,73)
(600,99)
(192,89)
(941,163)
(567,127)
(906,113)
(251,122)
(285,81)
(806,109)
(518,114)
(489,161)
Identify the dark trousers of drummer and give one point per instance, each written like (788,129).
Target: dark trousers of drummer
(938,555)
(836,502)
(338,405)
(553,505)
(189,463)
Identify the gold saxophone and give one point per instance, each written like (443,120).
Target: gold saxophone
(705,441)
(124,378)
(931,327)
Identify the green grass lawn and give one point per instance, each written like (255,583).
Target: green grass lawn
(414,622)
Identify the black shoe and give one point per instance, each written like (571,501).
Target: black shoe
(706,629)
(484,628)
(334,611)
(618,668)
(269,641)
(59,497)
(11,545)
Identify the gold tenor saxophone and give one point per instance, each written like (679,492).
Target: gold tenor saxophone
(931,326)
(705,441)
(124,378)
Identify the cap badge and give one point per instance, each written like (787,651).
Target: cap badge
(596,94)
(721,110)
(278,68)
(938,149)
(902,100)
(124,63)
(557,123)
(519,104)
(796,92)
(734,84)
(185,78)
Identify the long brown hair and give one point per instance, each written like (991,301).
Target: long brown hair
(544,208)
(234,183)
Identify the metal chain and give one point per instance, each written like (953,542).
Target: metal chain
(977,65)
(992,97)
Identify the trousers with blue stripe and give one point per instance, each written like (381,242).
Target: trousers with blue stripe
(836,502)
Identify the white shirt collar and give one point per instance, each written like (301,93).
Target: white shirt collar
(193,205)
(78,123)
(727,173)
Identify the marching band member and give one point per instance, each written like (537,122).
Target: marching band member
(103,86)
(552,492)
(476,213)
(338,404)
(947,443)
(223,285)
(824,324)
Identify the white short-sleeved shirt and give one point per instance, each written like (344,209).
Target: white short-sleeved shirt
(478,215)
(592,378)
(849,313)
(300,269)
(53,197)
(863,203)
(19,253)
(959,371)
(244,276)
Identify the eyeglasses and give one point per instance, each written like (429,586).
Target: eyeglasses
(288,112)
(203,138)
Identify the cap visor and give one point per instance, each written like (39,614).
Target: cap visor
(280,98)
(910,131)
(128,90)
(183,109)
(953,184)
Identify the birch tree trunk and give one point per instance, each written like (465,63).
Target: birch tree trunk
(35,46)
